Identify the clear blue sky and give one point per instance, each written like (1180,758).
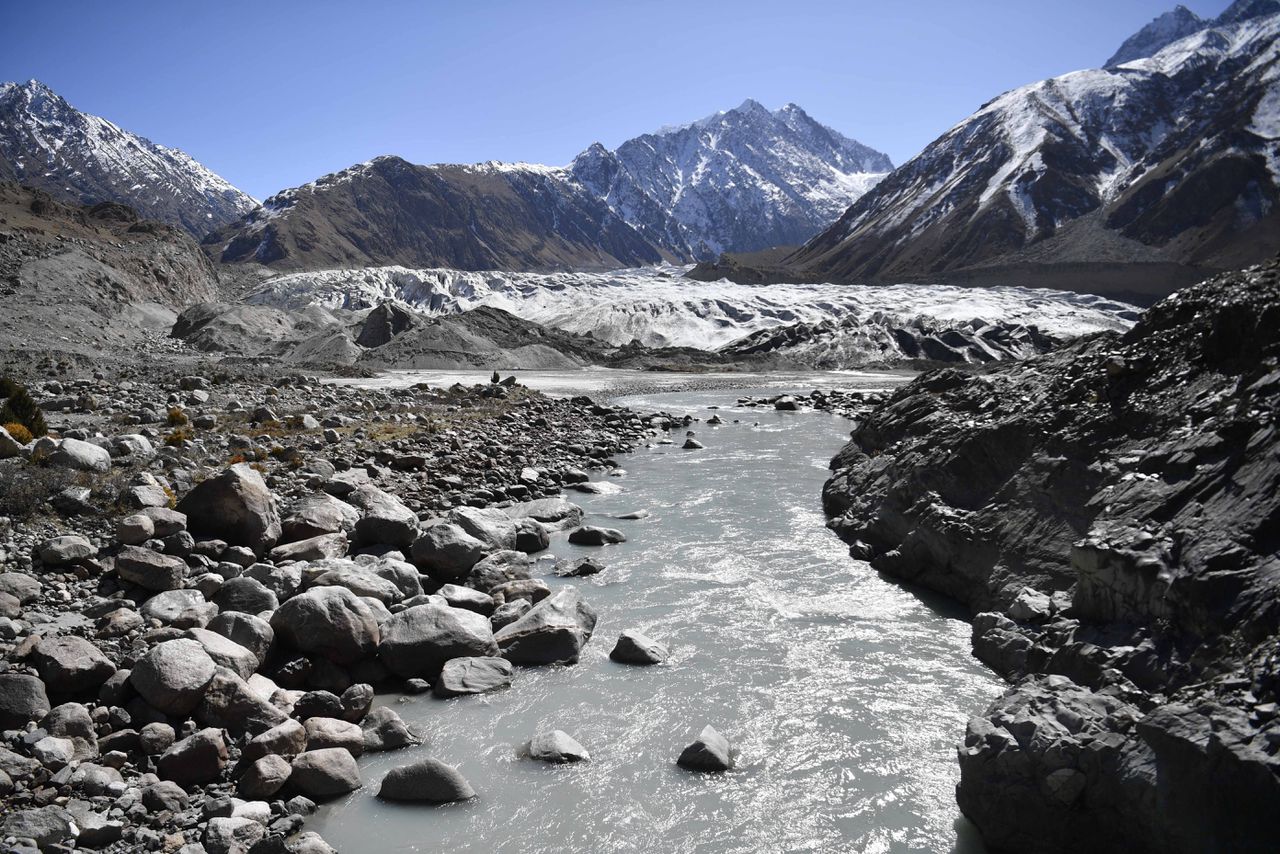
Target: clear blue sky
(271,94)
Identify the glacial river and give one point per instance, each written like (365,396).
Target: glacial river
(845,693)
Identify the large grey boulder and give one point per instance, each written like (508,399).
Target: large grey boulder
(553,631)
(418,641)
(149,569)
(556,746)
(499,568)
(48,826)
(331,732)
(199,758)
(325,773)
(246,595)
(249,631)
(473,675)
(173,675)
(710,751)
(494,528)
(317,514)
(64,550)
(81,456)
(230,703)
(383,518)
(264,777)
(232,835)
(174,606)
(557,513)
(235,506)
(358,580)
(9,446)
(287,739)
(591,535)
(635,648)
(225,652)
(71,665)
(446,552)
(330,621)
(428,781)
(22,699)
(320,547)
(384,730)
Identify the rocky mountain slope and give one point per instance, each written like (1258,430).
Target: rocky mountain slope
(1126,179)
(740,180)
(390,211)
(1178,23)
(87,279)
(82,159)
(1111,510)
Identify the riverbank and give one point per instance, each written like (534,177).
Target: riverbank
(1108,512)
(201,576)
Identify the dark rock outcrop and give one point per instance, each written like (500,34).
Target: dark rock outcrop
(1113,511)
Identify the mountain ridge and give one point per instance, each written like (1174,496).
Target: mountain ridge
(80,158)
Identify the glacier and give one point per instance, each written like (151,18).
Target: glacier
(657,307)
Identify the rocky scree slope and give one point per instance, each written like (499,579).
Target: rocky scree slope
(390,211)
(740,180)
(1111,511)
(1119,180)
(92,278)
(83,159)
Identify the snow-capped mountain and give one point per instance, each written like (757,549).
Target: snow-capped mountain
(516,216)
(48,144)
(1178,23)
(1172,159)
(740,180)
(657,307)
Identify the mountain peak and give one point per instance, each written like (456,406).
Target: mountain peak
(751,105)
(1178,23)
(84,159)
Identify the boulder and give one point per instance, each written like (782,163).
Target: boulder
(249,631)
(64,550)
(150,570)
(711,751)
(47,826)
(197,759)
(287,739)
(230,703)
(225,652)
(553,631)
(71,665)
(556,746)
(419,640)
(465,597)
(384,519)
(499,568)
(384,730)
(230,835)
(317,514)
(329,621)
(429,781)
(319,547)
(494,528)
(165,796)
(135,530)
(246,595)
(235,506)
(325,773)
(20,586)
(590,535)
(556,514)
(265,777)
(173,675)
(171,606)
(81,456)
(473,675)
(446,552)
(635,648)
(332,732)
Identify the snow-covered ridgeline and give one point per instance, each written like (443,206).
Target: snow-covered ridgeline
(657,307)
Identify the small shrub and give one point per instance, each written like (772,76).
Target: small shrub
(19,408)
(178,436)
(19,432)
(177,416)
